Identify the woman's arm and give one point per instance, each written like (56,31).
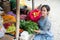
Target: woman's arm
(46,28)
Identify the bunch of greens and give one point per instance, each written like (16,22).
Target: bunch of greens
(28,26)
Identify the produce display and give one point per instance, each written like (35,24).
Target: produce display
(27,20)
(29,26)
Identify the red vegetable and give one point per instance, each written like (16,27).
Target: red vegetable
(6,25)
(34,15)
(22,16)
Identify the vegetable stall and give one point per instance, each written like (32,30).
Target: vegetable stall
(19,20)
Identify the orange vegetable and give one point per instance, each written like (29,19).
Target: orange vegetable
(20,30)
(9,18)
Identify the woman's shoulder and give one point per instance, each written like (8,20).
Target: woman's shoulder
(48,21)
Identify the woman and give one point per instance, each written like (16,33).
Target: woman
(44,32)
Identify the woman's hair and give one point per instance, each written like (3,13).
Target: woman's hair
(47,7)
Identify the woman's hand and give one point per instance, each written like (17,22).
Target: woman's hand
(37,31)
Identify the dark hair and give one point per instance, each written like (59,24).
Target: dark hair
(47,7)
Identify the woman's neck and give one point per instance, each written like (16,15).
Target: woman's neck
(44,17)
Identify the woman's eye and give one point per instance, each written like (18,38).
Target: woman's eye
(44,10)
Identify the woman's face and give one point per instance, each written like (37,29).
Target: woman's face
(44,12)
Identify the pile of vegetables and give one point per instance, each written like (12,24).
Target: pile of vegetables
(10,28)
(28,26)
(8,18)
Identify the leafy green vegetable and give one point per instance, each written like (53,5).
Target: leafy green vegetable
(28,26)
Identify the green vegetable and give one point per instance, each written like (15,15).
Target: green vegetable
(13,3)
(28,26)
(11,28)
